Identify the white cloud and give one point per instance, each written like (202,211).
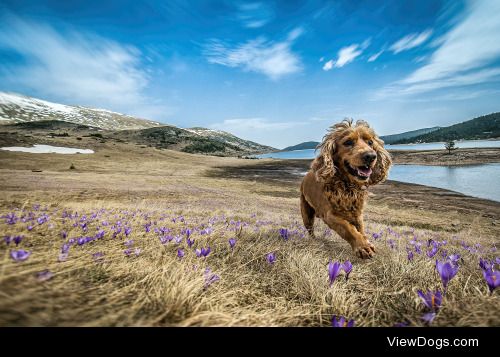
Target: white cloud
(463,57)
(255,15)
(374,57)
(76,68)
(346,55)
(328,65)
(245,124)
(273,59)
(410,41)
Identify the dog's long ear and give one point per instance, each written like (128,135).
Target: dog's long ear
(384,162)
(323,165)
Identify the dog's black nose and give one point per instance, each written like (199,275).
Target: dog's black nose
(369,157)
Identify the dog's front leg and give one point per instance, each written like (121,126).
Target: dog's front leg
(360,245)
(360,226)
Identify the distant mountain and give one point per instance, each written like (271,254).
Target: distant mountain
(394,138)
(302,146)
(21,113)
(16,108)
(483,127)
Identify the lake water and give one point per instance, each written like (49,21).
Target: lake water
(48,149)
(473,180)
(309,153)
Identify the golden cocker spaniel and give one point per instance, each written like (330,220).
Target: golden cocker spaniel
(351,158)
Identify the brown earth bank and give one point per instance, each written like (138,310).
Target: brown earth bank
(442,157)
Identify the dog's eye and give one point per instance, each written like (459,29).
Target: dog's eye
(370,142)
(348,143)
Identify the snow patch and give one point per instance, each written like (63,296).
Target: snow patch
(48,149)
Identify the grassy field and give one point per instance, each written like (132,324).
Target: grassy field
(104,241)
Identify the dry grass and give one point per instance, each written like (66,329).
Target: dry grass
(156,288)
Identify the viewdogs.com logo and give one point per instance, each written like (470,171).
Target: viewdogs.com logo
(438,343)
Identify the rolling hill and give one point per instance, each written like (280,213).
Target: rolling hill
(302,146)
(483,127)
(31,117)
(394,138)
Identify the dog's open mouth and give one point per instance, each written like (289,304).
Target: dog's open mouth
(361,172)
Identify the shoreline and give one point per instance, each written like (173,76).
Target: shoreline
(459,157)
(287,173)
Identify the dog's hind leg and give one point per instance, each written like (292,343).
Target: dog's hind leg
(307,215)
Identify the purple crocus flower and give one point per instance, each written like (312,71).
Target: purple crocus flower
(431,253)
(203,252)
(19,255)
(127,252)
(29,228)
(347,267)
(410,255)
(284,233)
(189,242)
(17,239)
(484,264)
(492,279)
(62,257)
(271,258)
(210,278)
(127,231)
(432,299)
(128,243)
(166,239)
(429,317)
(98,256)
(341,322)
(81,241)
(376,235)
(10,218)
(44,275)
(333,271)
(64,234)
(7,239)
(137,251)
(454,258)
(232,242)
(446,271)
(187,232)
(100,234)
(180,253)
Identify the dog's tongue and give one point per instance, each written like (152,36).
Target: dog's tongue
(364,171)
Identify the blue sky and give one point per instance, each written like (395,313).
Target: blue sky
(274,72)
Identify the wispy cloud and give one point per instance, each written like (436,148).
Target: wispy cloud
(374,57)
(255,15)
(410,41)
(245,124)
(328,65)
(346,55)
(76,68)
(468,55)
(273,59)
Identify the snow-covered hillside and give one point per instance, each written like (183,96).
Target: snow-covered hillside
(16,108)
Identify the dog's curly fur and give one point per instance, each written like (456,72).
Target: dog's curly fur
(352,158)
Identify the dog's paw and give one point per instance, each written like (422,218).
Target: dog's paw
(365,251)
